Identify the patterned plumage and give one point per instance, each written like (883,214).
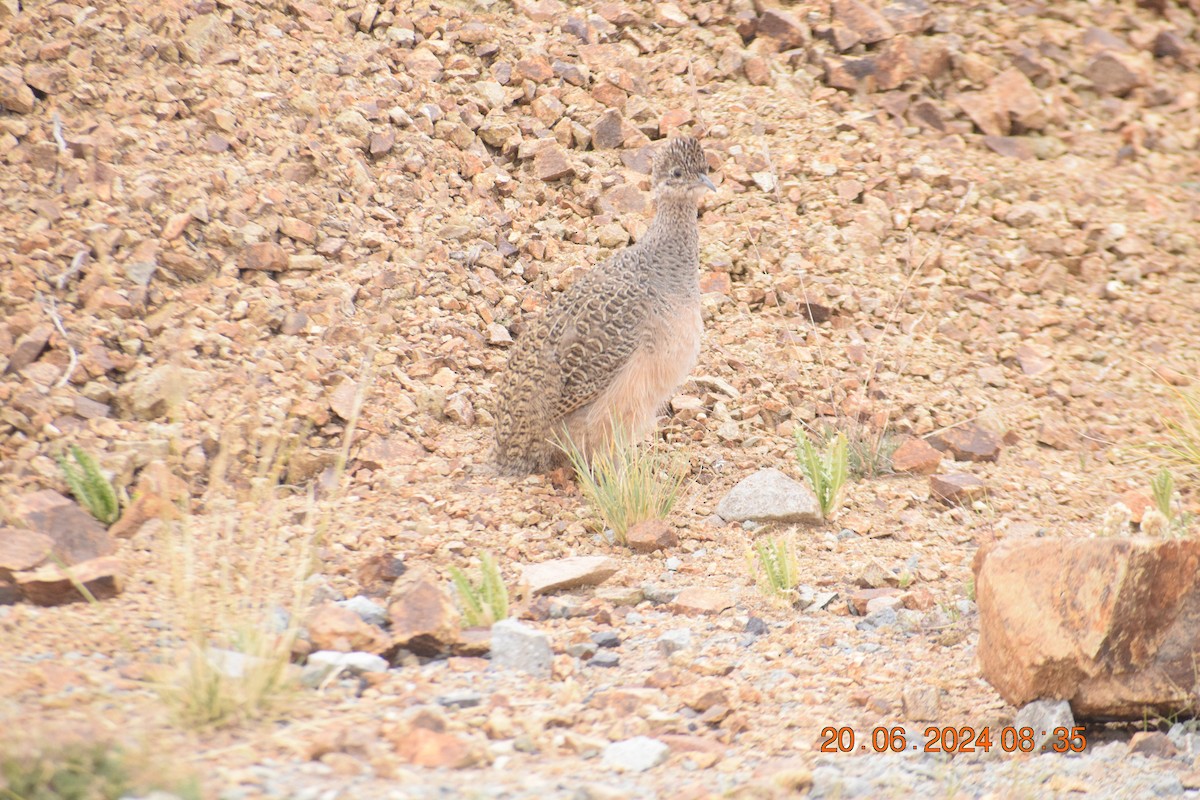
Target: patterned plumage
(619,341)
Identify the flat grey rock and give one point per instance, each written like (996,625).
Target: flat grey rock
(519,647)
(1045,715)
(770,496)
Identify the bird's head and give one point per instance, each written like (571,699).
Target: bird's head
(680,169)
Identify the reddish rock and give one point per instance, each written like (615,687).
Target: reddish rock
(956,488)
(380,143)
(921,703)
(1168,44)
(609,130)
(1009,104)
(672,120)
(541,10)
(1054,432)
(918,599)
(1137,503)
(551,164)
(76,534)
(757,71)
(1152,744)
(895,63)
(1011,146)
(860,601)
(1032,362)
(870,25)
(699,600)
(1115,73)
(29,347)
(917,456)
(22,549)
(534,68)
(716,282)
(422,64)
(298,229)
(15,95)
(968,442)
(651,535)
(265,256)
(703,695)
(908,16)
(568,573)
(52,585)
(422,740)
(424,619)
(145,507)
(784,27)
(332,627)
(1106,623)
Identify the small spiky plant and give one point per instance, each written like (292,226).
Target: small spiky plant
(1166,518)
(775,566)
(89,485)
(485,602)
(825,469)
(627,483)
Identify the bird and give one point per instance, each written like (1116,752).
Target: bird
(613,348)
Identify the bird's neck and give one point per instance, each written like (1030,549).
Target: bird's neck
(675,234)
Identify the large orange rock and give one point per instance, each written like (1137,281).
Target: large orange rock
(1110,624)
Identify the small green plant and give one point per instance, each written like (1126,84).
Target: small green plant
(1162,489)
(1165,519)
(89,486)
(826,469)
(626,483)
(80,771)
(485,602)
(775,566)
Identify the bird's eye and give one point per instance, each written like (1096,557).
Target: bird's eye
(677,172)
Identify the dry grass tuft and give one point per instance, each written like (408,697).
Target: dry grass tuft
(239,574)
(627,483)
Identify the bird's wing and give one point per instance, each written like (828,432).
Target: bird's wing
(593,329)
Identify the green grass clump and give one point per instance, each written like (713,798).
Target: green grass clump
(775,566)
(826,469)
(627,483)
(80,771)
(485,602)
(89,486)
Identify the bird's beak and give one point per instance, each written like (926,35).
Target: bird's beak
(708,184)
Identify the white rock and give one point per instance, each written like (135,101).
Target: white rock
(770,496)
(636,755)
(355,663)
